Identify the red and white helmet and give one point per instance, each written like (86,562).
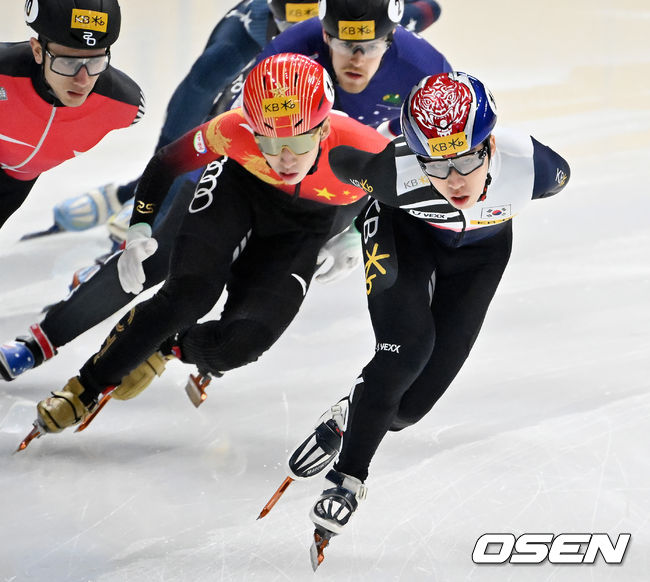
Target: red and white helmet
(287,94)
(447,115)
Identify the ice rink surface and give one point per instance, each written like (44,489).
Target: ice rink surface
(545,430)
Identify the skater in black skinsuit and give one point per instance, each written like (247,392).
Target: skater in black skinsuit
(436,241)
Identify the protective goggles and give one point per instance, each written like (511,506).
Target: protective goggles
(298,144)
(368,48)
(464,164)
(70,66)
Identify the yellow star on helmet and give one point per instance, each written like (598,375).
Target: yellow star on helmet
(324,193)
(280,91)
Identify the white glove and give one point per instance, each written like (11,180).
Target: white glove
(385,130)
(139,246)
(339,256)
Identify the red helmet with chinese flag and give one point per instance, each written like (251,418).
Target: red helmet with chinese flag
(287,94)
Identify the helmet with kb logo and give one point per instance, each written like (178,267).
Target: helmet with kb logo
(287,94)
(293,11)
(352,20)
(447,114)
(79,24)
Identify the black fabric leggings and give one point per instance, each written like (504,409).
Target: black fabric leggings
(259,242)
(427,303)
(102,295)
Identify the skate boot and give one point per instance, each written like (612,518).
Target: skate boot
(25,353)
(66,407)
(87,210)
(333,510)
(322,446)
(338,502)
(140,378)
(118,224)
(316,452)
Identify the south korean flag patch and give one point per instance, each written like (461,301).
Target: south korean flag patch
(496,212)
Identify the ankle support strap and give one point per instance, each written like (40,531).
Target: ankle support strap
(41,340)
(347,482)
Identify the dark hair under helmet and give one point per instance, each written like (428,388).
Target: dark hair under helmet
(80,24)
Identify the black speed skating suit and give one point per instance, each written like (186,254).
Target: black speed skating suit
(431,272)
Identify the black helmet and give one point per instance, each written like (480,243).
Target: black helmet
(355,20)
(80,24)
(294,10)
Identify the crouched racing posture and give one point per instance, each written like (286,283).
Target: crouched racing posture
(263,209)
(436,240)
(371,68)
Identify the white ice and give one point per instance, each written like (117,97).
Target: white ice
(546,429)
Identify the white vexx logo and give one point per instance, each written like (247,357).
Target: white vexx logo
(388,348)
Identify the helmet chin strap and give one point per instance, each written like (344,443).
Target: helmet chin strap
(44,42)
(488,181)
(296,190)
(488,178)
(315,164)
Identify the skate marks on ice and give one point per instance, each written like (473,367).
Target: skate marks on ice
(101,495)
(555,441)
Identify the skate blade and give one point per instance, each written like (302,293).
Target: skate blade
(274,498)
(195,388)
(103,401)
(321,540)
(35,433)
(55,228)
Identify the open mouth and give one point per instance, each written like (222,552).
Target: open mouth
(460,200)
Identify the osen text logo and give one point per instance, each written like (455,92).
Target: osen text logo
(566,548)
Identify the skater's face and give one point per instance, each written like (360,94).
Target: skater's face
(461,191)
(68,71)
(355,63)
(292,166)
